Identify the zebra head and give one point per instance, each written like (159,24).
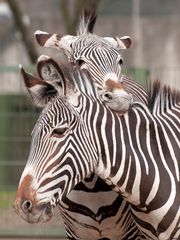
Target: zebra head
(54,165)
(114,96)
(100,55)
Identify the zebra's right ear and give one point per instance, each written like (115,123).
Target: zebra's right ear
(49,71)
(54,40)
(40,91)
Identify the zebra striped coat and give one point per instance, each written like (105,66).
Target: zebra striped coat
(137,154)
(102,58)
(92,205)
(99,206)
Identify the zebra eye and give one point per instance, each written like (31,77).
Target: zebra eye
(58,132)
(80,62)
(121,61)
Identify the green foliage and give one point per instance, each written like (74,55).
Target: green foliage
(6,199)
(140,75)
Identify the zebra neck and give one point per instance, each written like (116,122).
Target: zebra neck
(136,159)
(140,161)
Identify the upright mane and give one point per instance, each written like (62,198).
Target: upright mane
(87,22)
(162,97)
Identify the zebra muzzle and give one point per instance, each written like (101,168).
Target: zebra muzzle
(35,213)
(28,206)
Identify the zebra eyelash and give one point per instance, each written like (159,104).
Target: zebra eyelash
(59,132)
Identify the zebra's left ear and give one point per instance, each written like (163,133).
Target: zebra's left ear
(40,91)
(120,43)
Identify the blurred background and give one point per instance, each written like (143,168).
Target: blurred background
(155,54)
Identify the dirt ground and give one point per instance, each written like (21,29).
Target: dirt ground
(12,225)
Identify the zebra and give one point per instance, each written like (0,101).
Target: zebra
(101,56)
(136,153)
(114,95)
(92,187)
(92,205)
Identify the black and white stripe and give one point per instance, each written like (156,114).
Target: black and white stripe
(102,60)
(137,154)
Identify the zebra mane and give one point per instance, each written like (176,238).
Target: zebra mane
(87,22)
(85,83)
(162,97)
(80,79)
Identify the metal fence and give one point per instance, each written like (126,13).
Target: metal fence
(17,117)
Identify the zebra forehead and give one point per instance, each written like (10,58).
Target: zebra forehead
(92,41)
(55,111)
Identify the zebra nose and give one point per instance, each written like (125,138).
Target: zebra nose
(107,95)
(26,206)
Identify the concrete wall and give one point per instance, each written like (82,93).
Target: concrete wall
(157,47)
(155,38)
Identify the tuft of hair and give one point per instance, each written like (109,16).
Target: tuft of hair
(162,97)
(87,22)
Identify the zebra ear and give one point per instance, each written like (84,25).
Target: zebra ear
(60,76)
(40,91)
(120,43)
(50,71)
(55,40)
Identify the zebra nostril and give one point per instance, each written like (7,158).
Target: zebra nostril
(27,206)
(107,96)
